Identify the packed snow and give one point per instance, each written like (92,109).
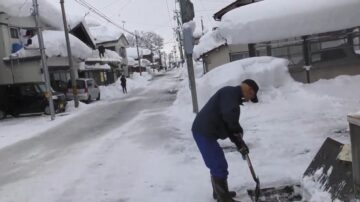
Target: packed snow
(277,19)
(55,46)
(284,130)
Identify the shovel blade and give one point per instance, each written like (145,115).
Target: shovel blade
(277,194)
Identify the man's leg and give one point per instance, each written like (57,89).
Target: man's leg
(214,159)
(213,155)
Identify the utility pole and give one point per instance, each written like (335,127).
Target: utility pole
(137,49)
(43,60)
(178,33)
(73,71)
(188,14)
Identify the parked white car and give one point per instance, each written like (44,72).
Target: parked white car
(87,89)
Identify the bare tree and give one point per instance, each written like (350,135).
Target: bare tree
(149,40)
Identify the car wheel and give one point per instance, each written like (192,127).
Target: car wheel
(98,98)
(2,114)
(47,110)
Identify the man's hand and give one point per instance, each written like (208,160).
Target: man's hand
(241,145)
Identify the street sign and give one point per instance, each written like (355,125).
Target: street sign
(187,11)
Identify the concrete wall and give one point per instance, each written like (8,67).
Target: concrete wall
(216,58)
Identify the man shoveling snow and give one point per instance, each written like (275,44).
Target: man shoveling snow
(219,119)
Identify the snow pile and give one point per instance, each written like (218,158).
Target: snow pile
(114,91)
(50,13)
(285,129)
(132,52)
(208,42)
(278,19)
(314,190)
(55,45)
(269,73)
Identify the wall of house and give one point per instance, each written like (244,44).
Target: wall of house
(17,71)
(216,58)
(27,71)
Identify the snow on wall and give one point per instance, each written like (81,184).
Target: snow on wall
(208,42)
(55,45)
(278,19)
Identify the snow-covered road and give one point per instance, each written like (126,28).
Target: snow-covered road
(124,150)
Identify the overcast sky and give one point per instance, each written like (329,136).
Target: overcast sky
(154,15)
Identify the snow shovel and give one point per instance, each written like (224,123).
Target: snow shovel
(272,194)
(256,179)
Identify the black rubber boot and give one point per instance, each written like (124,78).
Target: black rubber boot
(231,193)
(221,189)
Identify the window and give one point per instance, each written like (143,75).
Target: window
(14,33)
(89,83)
(122,52)
(238,56)
(328,55)
(28,90)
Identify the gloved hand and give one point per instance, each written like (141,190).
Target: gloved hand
(241,145)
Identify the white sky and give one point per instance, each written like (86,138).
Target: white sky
(153,15)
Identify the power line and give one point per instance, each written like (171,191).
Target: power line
(100,14)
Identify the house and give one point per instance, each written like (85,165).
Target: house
(114,41)
(314,51)
(104,69)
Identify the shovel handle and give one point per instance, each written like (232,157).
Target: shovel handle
(256,179)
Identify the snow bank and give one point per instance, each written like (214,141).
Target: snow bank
(268,72)
(277,19)
(285,129)
(208,42)
(55,45)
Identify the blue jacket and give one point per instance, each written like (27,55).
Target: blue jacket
(219,118)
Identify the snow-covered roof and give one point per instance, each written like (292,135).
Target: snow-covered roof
(208,42)
(109,57)
(104,33)
(278,19)
(132,52)
(50,13)
(55,45)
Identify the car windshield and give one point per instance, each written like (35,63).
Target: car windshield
(80,84)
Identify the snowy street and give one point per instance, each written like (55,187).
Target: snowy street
(110,153)
(179,101)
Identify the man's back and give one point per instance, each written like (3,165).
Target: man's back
(212,118)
